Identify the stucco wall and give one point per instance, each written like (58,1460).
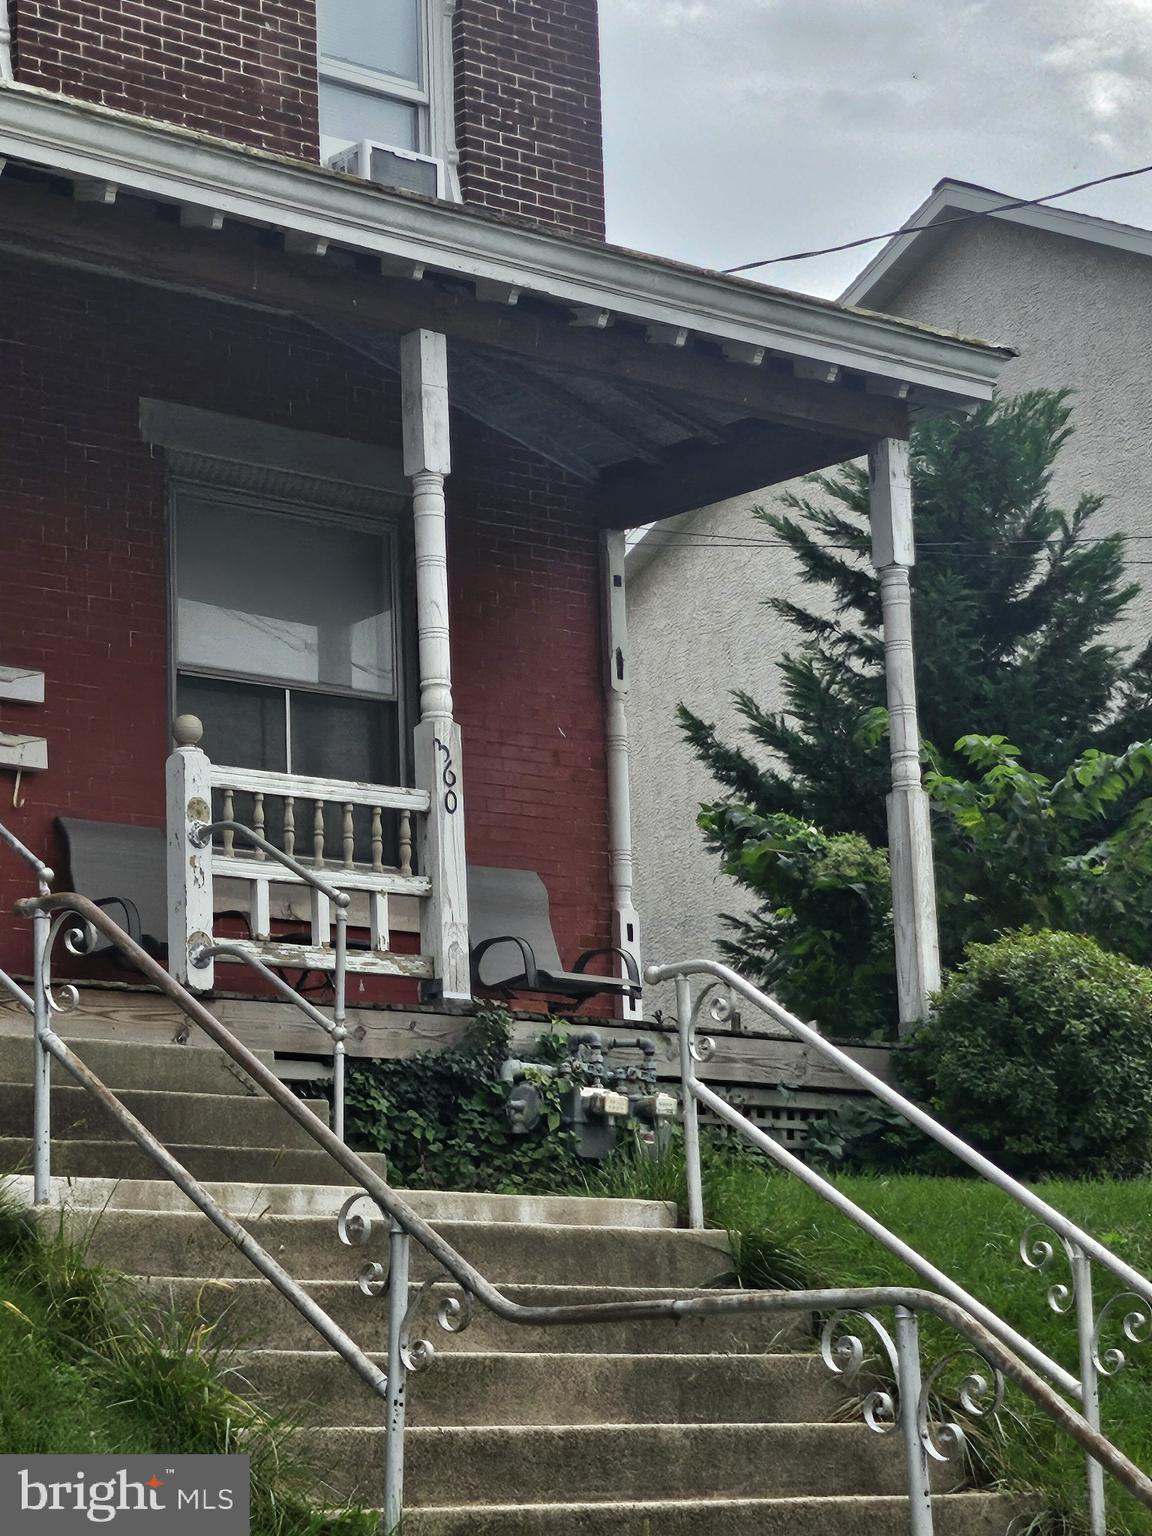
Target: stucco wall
(1081,317)
(697,629)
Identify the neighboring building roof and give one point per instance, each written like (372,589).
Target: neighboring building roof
(891,268)
(502,256)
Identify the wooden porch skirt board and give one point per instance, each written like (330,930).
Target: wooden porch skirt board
(139,1014)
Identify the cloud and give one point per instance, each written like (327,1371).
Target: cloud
(737,128)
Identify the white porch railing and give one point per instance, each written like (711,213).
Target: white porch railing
(357,837)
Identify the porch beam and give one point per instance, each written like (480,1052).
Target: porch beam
(909,829)
(428,460)
(132,243)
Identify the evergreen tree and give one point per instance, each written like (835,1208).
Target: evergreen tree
(1013,603)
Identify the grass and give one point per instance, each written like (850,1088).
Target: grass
(87,1365)
(785,1236)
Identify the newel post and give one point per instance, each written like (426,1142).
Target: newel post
(909,829)
(625,922)
(427,460)
(189,784)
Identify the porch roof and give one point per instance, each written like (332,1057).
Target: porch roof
(665,386)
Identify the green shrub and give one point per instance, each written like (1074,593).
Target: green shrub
(439,1117)
(862,1135)
(820,936)
(1039,1050)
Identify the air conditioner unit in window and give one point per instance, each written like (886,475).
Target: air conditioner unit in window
(390,167)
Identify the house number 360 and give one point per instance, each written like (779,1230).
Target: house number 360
(448,779)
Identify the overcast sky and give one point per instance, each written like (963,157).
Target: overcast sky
(736,129)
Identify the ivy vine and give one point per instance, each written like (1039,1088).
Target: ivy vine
(439,1117)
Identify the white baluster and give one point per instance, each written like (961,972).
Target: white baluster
(377,839)
(321,918)
(405,849)
(289,824)
(349,836)
(229,839)
(318,834)
(378,920)
(261,914)
(258,820)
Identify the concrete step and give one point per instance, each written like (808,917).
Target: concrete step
(131,1064)
(538,1389)
(194,1119)
(325,1200)
(179,1243)
(256,1315)
(607,1461)
(113,1163)
(956,1514)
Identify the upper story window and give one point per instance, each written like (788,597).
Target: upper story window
(386,79)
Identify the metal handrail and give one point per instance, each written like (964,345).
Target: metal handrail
(1048,1214)
(407,1224)
(201,835)
(335,1028)
(44,875)
(1079,1246)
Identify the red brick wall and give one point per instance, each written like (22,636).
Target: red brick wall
(83,576)
(527,84)
(244,70)
(528,117)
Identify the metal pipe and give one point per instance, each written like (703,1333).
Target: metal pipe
(910,1387)
(997,1354)
(13,987)
(6,72)
(277,983)
(41,1061)
(688,1108)
(200,835)
(919,1265)
(257,1256)
(399,1254)
(334,1027)
(913,1113)
(1089,1381)
(339,1020)
(43,873)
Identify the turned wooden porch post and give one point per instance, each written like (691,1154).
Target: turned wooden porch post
(427,459)
(909,832)
(625,923)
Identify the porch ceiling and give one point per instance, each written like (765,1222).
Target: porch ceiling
(663,386)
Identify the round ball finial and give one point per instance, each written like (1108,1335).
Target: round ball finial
(187,730)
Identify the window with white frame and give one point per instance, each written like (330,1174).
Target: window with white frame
(385,80)
(286,642)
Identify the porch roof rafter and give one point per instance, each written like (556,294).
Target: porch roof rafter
(743,384)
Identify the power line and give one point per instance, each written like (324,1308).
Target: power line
(960,218)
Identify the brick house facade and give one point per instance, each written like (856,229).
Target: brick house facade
(526,98)
(338,460)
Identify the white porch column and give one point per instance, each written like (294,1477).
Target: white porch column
(909,832)
(625,923)
(427,459)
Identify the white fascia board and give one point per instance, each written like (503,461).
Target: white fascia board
(904,252)
(177,166)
